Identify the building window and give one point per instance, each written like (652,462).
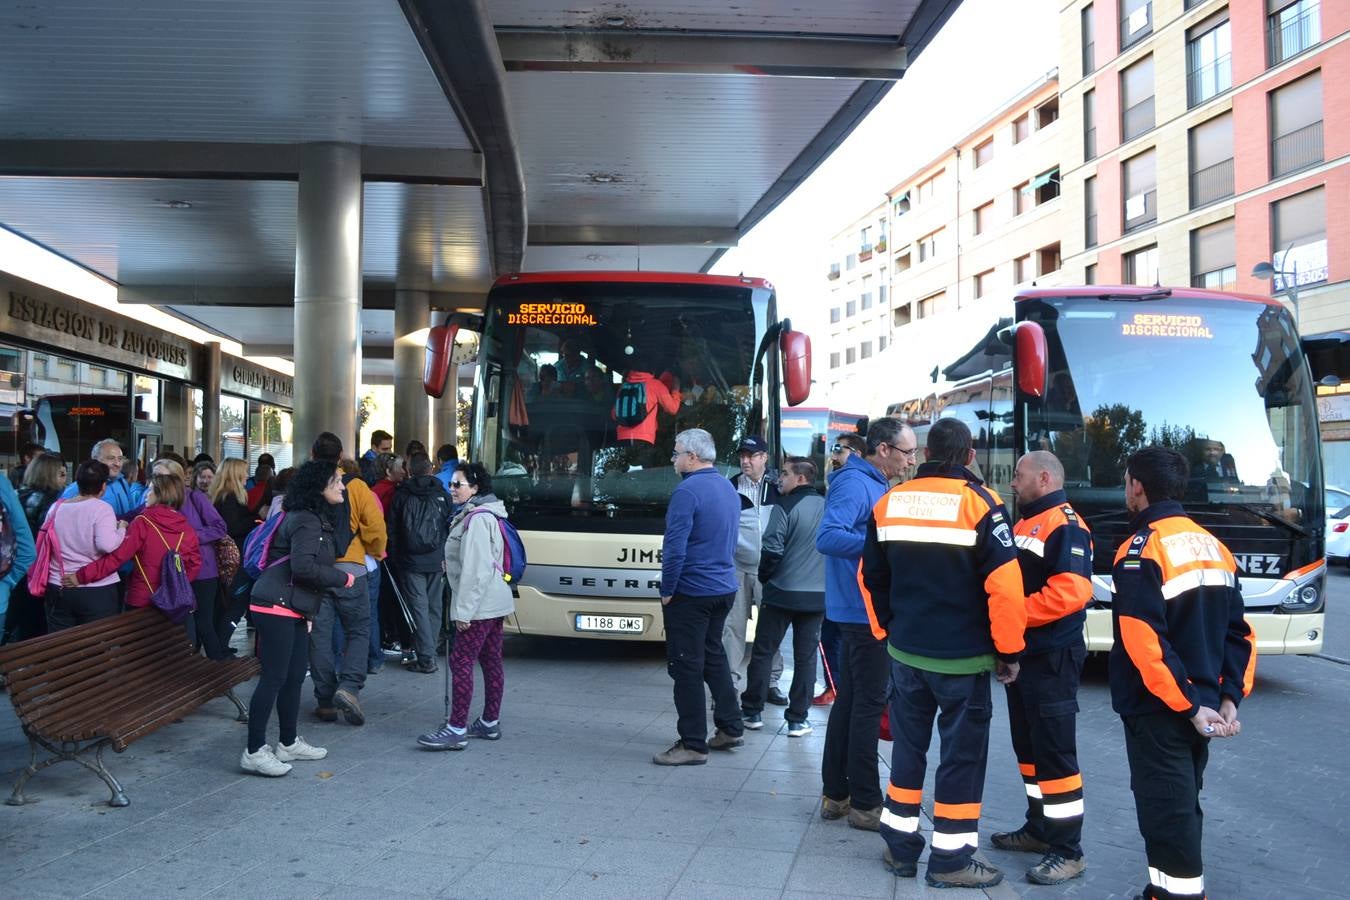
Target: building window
(834,315)
(883,297)
(834,360)
(1209,59)
(1136,99)
(1090,212)
(984,152)
(982,282)
(983,216)
(1140,177)
(1136,21)
(902,262)
(1021,198)
(1046,186)
(932,305)
(1299,239)
(865,351)
(901,205)
(1090,274)
(1049,259)
(926,190)
(850,356)
(851,262)
(1021,128)
(928,247)
(1090,124)
(902,316)
(1214,257)
(1087,33)
(1141,266)
(851,309)
(881,343)
(1211,152)
(834,271)
(867,300)
(1022,269)
(1047,113)
(1292,27)
(1296,125)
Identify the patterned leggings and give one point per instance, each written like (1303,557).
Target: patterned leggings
(481,642)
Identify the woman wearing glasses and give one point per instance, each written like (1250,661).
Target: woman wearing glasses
(480,601)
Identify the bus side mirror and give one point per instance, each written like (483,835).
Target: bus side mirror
(796,349)
(1031,358)
(436,368)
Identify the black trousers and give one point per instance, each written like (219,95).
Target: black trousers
(1043,719)
(830,643)
(848,770)
(283,651)
(769,632)
(68,607)
(1167,759)
(206,618)
(963,707)
(694,657)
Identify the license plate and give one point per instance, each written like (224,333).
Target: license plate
(618,624)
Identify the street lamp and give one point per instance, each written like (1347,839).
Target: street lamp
(1267,271)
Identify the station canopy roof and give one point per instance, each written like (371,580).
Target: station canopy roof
(157,142)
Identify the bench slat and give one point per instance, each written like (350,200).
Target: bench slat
(102,675)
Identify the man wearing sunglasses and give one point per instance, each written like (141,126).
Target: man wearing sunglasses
(845,446)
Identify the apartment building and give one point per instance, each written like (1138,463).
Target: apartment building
(915,281)
(1210,136)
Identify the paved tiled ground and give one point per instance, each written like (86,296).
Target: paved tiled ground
(568,804)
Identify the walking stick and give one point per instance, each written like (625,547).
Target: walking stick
(824,661)
(398,595)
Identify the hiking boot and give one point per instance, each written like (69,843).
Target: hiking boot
(1056,869)
(824,698)
(325,713)
(833,809)
(298,749)
(263,762)
(753,721)
(722,741)
(865,819)
(346,701)
(975,875)
(1019,841)
(799,729)
(680,755)
(446,738)
(484,732)
(899,869)
(777,697)
(424,667)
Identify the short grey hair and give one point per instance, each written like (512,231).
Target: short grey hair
(98,448)
(699,443)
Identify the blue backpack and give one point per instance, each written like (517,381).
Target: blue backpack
(630,404)
(513,549)
(257,545)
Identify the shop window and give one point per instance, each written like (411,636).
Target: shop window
(233,427)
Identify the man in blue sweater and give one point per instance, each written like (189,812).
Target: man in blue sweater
(698,586)
(119,494)
(848,770)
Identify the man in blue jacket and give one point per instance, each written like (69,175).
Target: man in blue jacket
(848,770)
(698,586)
(119,494)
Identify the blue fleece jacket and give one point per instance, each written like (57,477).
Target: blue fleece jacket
(24,548)
(697,556)
(854,490)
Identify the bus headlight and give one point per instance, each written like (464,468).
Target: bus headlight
(1302,598)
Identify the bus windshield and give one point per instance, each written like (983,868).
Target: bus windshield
(554,360)
(1222,381)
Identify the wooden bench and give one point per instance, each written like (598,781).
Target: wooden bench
(106,684)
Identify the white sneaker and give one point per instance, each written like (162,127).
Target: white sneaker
(264,762)
(299,749)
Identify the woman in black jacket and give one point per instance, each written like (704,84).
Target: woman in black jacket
(301,562)
(44,479)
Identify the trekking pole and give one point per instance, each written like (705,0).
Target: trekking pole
(824,661)
(449,648)
(398,595)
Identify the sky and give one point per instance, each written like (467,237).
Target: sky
(965,74)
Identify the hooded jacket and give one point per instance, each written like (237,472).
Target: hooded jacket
(854,490)
(145,545)
(657,395)
(473,562)
(367,524)
(790,567)
(119,495)
(411,494)
(209,526)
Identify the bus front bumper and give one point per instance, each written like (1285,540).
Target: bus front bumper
(560,615)
(1276,633)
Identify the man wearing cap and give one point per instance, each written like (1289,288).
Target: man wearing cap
(759,495)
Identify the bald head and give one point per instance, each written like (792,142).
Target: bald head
(1038,473)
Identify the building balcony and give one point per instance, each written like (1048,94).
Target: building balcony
(1296,150)
(1208,81)
(834,273)
(1212,183)
(880,246)
(865,253)
(1141,210)
(1137,119)
(1289,36)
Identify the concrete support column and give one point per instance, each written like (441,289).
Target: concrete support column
(210,400)
(327,295)
(412,407)
(443,412)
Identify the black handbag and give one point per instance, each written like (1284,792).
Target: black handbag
(276,587)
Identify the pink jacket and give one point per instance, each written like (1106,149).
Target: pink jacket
(85,530)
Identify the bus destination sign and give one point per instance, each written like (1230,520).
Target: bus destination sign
(1164,325)
(555,313)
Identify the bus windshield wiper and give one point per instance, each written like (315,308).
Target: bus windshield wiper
(1160,294)
(1264,515)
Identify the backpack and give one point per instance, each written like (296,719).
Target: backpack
(258,544)
(48,548)
(513,549)
(630,404)
(174,597)
(424,525)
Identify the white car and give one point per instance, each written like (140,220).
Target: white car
(1338,536)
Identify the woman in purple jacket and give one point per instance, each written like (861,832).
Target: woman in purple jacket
(210,527)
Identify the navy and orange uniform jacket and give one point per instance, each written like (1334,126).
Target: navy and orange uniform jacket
(1181,641)
(1054,549)
(939,570)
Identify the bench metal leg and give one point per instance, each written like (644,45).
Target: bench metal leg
(17,798)
(72,752)
(239,704)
